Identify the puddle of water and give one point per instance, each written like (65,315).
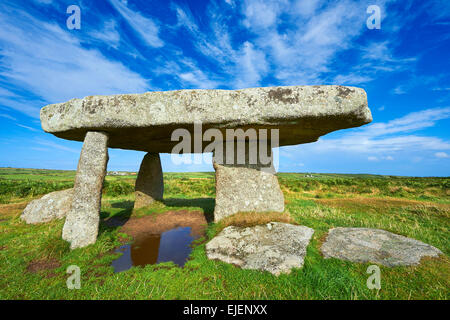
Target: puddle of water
(172,245)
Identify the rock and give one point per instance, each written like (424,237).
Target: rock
(52,206)
(81,226)
(376,246)
(275,247)
(245,188)
(149,183)
(146,121)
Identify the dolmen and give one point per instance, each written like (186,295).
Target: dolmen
(239,127)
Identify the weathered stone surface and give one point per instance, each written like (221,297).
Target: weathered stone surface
(247,184)
(149,183)
(275,247)
(81,226)
(243,188)
(375,245)
(52,206)
(146,121)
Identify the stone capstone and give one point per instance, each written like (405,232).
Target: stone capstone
(81,226)
(145,122)
(149,183)
(376,246)
(51,206)
(275,247)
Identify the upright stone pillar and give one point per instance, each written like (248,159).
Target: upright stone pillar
(247,186)
(149,183)
(81,226)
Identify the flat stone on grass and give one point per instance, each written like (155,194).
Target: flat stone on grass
(275,247)
(375,245)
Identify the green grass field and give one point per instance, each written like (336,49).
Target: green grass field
(413,207)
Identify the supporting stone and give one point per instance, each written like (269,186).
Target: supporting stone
(149,183)
(246,187)
(81,226)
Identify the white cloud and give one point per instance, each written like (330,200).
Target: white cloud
(351,79)
(359,143)
(296,42)
(441,155)
(30,108)
(185,19)
(389,137)
(306,8)
(52,66)
(145,27)
(55,145)
(251,66)
(303,52)
(6,93)
(108,34)
(399,90)
(231,3)
(198,79)
(260,14)
(382,52)
(359,149)
(415,81)
(410,122)
(244,66)
(27,127)
(7,116)
(188,73)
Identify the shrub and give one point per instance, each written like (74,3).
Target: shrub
(25,188)
(117,188)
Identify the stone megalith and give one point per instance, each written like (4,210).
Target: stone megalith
(149,183)
(147,122)
(81,226)
(246,186)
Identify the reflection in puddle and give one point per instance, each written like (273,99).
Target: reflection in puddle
(172,245)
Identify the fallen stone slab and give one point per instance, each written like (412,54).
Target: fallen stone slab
(51,206)
(81,226)
(145,122)
(376,246)
(275,247)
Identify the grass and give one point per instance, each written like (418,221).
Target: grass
(414,207)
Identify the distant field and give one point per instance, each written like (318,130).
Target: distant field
(414,207)
(18,184)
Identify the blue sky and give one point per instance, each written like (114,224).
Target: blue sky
(136,46)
